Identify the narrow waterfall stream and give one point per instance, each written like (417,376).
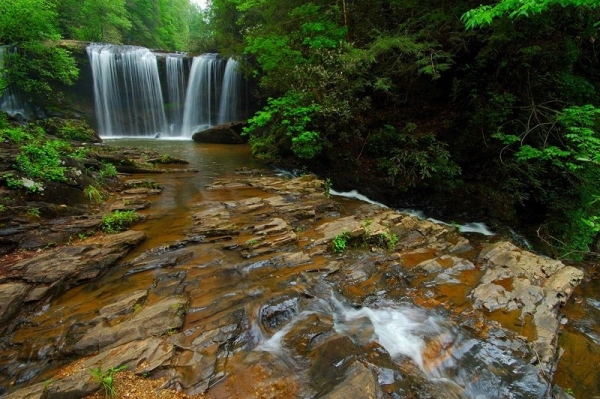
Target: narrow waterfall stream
(12,100)
(201,100)
(176,90)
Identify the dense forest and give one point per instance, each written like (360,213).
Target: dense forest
(495,105)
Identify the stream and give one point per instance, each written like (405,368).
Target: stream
(274,325)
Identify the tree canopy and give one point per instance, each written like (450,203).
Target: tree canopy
(29,29)
(495,104)
(498,100)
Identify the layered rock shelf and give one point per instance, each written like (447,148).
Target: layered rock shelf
(260,299)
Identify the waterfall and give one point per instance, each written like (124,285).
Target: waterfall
(230,94)
(127,91)
(176,91)
(11,99)
(201,99)
(129,100)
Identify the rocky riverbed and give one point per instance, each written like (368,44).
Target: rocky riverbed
(283,291)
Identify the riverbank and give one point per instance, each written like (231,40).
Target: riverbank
(279,289)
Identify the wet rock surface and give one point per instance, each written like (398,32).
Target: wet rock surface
(55,213)
(256,301)
(225,133)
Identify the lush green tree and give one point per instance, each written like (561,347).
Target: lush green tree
(485,14)
(101,21)
(539,112)
(29,27)
(324,90)
(161,24)
(202,36)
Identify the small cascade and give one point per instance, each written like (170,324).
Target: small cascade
(201,97)
(128,96)
(456,364)
(11,99)
(232,80)
(176,91)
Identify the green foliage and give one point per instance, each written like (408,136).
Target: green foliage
(159,24)
(42,160)
(485,14)
(340,242)
(411,158)
(30,26)
(328,186)
(102,21)
(11,182)
(118,221)
(69,129)
(33,212)
(94,194)
(418,56)
(108,170)
(392,240)
(15,134)
(287,116)
(571,149)
(106,379)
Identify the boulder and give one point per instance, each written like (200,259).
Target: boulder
(226,133)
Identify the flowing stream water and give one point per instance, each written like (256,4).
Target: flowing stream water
(401,342)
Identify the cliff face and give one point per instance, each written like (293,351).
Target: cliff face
(76,101)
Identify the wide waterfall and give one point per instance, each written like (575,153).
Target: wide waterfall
(129,93)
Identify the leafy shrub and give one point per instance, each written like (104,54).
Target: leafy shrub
(340,242)
(118,221)
(94,194)
(289,116)
(109,170)
(42,160)
(411,158)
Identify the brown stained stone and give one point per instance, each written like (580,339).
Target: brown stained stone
(11,296)
(359,382)
(72,264)
(151,353)
(540,286)
(155,320)
(349,225)
(123,304)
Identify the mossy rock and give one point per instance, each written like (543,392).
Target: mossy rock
(70,129)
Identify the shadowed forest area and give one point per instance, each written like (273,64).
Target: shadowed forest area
(490,109)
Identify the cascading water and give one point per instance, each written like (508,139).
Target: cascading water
(201,99)
(456,364)
(176,91)
(11,100)
(230,94)
(129,100)
(127,91)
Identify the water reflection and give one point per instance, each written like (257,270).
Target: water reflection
(181,191)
